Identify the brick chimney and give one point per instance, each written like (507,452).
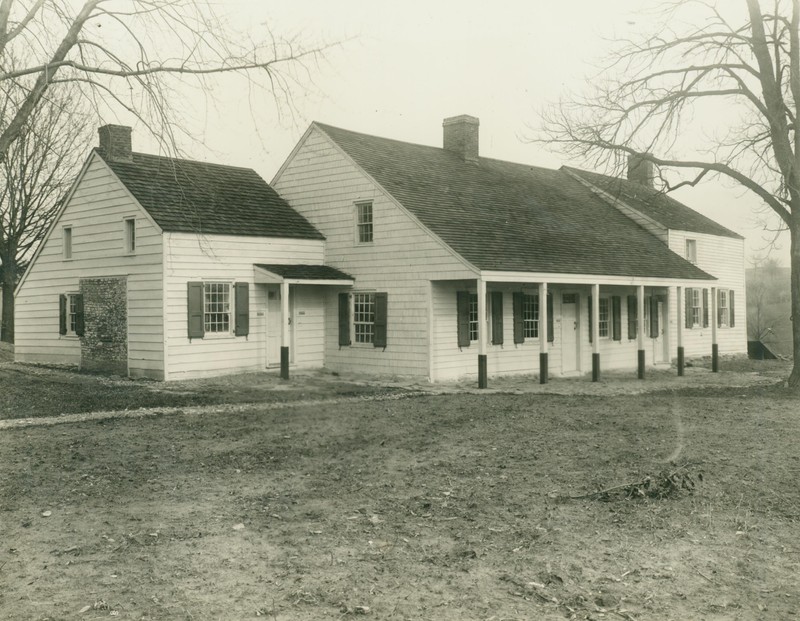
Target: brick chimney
(640,170)
(115,142)
(461,136)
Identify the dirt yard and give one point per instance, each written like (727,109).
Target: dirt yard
(453,506)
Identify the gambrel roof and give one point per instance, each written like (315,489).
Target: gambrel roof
(512,217)
(196,197)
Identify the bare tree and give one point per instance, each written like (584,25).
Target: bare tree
(34,176)
(767,300)
(744,67)
(135,56)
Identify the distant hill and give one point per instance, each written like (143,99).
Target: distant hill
(769,308)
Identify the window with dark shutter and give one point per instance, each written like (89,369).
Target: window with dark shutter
(654,328)
(731,305)
(62,314)
(497,317)
(705,308)
(633,311)
(344,319)
(381,319)
(551,334)
(687,308)
(519,325)
(196,328)
(462,309)
(242,305)
(616,318)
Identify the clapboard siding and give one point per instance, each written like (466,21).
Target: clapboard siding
(95,211)
(722,257)
(323,185)
(228,258)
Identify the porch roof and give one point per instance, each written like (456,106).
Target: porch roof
(299,274)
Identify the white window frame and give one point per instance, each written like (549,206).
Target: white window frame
(72,316)
(604,325)
(530,315)
(697,307)
(362,317)
(724,309)
(226,308)
(691,251)
(66,242)
(129,235)
(473,317)
(365,227)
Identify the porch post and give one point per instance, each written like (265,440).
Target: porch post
(595,328)
(285,319)
(640,331)
(543,323)
(483,379)
(681,321)
(713,319)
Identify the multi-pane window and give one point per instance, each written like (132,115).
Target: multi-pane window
(364,317)
(724,310)
(696,307)
(72,314)
(130,235)
(530,316)
(473,317)
(604,319)
(364,222)
(691,250)
(67,241)
(217,307)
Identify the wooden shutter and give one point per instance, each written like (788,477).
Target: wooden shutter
(687,308)
(633,310)
(732,319)
(590,318)
(497,317)
(654,329)
(551,335)
(705,308)
(242,307)
(62,314)
(344,319)
(518,300)
(195,310)
(381,319)
(462,308)
(616,318)
(80,323)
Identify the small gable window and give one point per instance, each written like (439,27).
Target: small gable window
(130,235)
(364,222)
(691,250)
(66,234)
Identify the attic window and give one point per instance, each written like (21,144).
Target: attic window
(691,250)
(364,222)
(67,241)
(130,235)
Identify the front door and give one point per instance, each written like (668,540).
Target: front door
(273,325)
(569,333)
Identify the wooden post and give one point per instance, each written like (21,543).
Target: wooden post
(681,322)
(713,319)
(483,333)
(543,343)
(285,320)
(595,328)
(640,331)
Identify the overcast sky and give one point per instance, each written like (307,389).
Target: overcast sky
(405,66)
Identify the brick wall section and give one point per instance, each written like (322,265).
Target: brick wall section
(104,345)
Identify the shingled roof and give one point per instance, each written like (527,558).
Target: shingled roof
(196,197)
(512,217)
(655,204)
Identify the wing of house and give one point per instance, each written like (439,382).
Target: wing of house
(466,249)
(374,255)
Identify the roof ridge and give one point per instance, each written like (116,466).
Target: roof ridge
(182,160)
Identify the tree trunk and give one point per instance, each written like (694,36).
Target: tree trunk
(9,282)
(794,377)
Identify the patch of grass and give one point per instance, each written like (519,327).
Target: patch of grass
(448,507)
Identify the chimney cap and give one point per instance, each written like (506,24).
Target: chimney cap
(461,118)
